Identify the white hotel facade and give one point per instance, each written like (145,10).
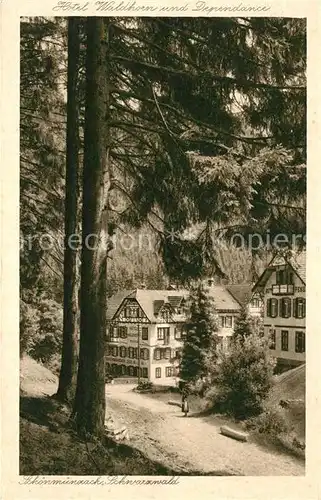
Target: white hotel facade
(144,335)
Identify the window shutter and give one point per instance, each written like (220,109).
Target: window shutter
(303,308)
(274,307)
(295,308)
(268,307)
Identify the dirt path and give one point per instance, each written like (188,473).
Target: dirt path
(160,431)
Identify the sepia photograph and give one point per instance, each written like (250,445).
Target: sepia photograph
(162,246)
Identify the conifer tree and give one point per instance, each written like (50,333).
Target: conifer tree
(243,325)
(69,358)
(199,334)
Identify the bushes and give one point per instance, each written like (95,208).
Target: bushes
(271,421)
(242,378)
(41,323)
(145,386)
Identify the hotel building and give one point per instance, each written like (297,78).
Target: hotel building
(283,287)
(144,335)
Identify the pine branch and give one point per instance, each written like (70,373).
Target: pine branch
(220,79)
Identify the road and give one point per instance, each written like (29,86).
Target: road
(161,431)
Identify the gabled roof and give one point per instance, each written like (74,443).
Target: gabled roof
(151,301)
(114,302)
(223,299)
(241,293)
(296,261)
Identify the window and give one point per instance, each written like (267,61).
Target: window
(113,333)
(299,342)
(299,308)
(115,351)
(163,333)
(226,321)
(144,354)
(255,302)
(280,280)
(272,339)
(284,340)
(145,372)
(166,315)
(177,353)
(144,333)
(169,371)
(122,352)
(135,353)
(122,332)
(162,353)
(285,307)
(284,277)
(130,352)
(132,312)
(158,372)
(131,371)
(272,308)
(178,332)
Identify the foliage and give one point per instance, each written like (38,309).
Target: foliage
(41,330)
(242,378)
(271,421)
(246,325)
(193,139)
(145,386)
(29,324)
(134,261)
(41,151)
(199,333)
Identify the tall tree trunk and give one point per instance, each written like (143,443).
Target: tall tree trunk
(90,395)
(68,372)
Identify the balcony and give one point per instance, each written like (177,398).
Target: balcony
(282,289)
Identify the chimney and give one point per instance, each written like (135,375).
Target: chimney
(143,286)
(210,282)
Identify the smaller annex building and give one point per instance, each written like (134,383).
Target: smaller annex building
(282,286)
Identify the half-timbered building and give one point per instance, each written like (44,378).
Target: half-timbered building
(282,286)
(145,331)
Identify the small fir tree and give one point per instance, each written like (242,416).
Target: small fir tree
(200,334)
(243,325)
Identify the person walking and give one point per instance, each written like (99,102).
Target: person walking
(185,405)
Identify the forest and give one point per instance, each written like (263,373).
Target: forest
(146,145)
